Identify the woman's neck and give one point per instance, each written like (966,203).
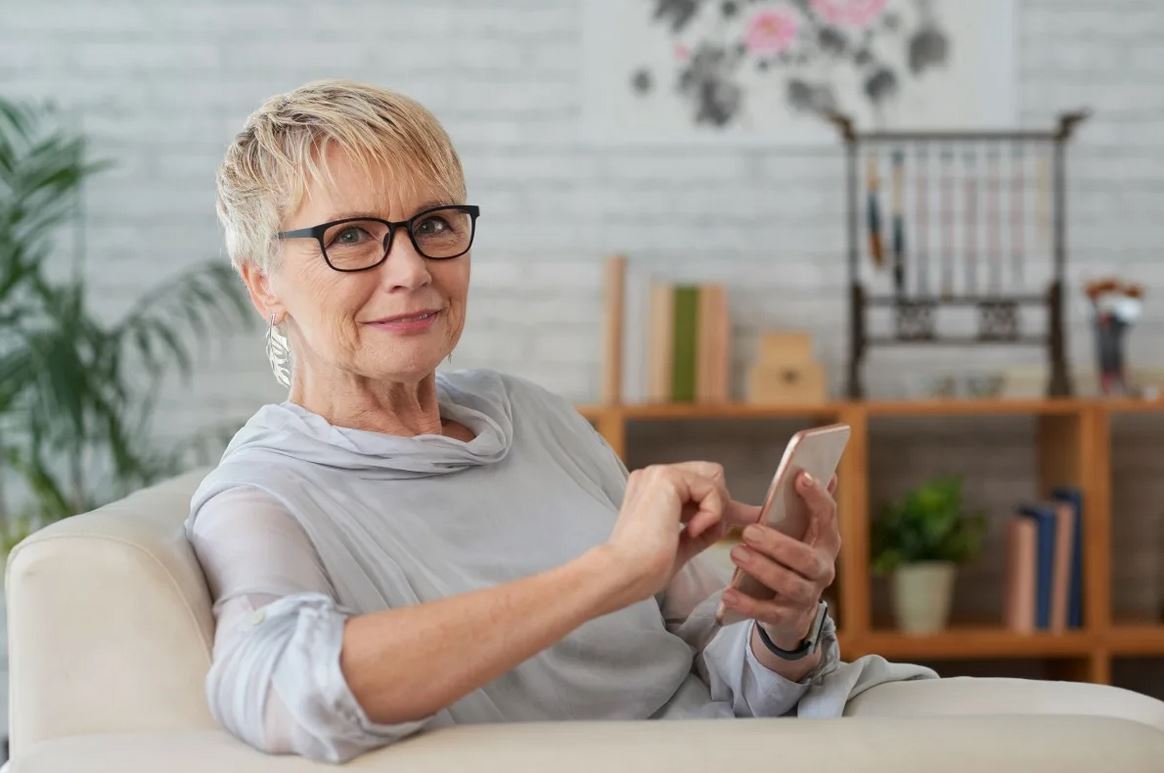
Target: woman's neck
(405,408)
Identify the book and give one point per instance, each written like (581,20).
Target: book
(705,343)
(1074,497)
(1043,514)
(713,347)
(723,374)
(678,341)
(683,347)
(1019,589)
(661,335)
(614,285)
(1061,582)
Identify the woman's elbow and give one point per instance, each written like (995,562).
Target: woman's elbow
(277,733)
(335,751)
(280,689)
(320,730)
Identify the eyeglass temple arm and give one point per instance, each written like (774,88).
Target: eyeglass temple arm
(299,234)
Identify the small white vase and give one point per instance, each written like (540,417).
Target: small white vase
(922,592)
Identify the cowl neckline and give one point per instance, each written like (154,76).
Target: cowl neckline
(476,398)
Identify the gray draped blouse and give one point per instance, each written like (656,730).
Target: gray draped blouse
(303,524)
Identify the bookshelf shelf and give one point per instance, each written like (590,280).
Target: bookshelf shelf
(1135,406)
(976,642)
(1136,639)
(1073,447)
(734,410)
(944,407)
(969,407)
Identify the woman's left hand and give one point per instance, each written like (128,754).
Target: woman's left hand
(797,570)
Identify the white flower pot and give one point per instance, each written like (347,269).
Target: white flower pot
(922,592)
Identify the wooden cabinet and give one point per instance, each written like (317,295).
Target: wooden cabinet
(1072,443)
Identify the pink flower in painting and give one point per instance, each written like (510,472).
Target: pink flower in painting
(851,13)
(770,32)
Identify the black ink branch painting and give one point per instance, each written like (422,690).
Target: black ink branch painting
(747,66)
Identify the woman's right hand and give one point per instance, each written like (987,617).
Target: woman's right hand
(647,541)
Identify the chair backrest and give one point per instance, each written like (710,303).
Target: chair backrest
(109,621)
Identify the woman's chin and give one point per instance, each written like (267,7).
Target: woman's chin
(411,357)
(397,365)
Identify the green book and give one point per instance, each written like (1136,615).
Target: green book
(683,346)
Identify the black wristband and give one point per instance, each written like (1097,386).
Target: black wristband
(795,654)
(811,643)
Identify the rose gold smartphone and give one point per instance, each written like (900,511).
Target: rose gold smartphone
(817,451)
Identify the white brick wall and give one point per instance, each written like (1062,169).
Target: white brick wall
(161,88)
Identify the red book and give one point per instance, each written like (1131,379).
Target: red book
(1019,588)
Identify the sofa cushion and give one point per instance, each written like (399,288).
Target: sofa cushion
(1033,744)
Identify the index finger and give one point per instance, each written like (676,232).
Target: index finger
(707,469)
(735,513)
(704,488)
(713,472)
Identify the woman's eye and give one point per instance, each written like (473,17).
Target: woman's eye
(350,236)
(433,225)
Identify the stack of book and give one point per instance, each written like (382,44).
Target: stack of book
(1043,589)
(667,341)
(688,343)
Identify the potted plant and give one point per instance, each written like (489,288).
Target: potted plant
(77,391)
(919,541)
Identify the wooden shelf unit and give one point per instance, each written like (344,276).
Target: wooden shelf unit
(1073,438)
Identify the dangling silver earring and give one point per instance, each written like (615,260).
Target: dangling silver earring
(279,353)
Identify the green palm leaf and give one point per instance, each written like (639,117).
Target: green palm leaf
(77,394)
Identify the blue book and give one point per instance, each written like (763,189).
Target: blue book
(1044,515)
(1074,496)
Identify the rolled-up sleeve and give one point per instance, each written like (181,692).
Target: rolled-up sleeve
(275,679)
(277,684)
(723,654)
(734,673)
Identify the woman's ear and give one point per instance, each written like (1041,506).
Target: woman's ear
(262,296)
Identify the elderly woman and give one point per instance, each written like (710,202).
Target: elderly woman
(394,548)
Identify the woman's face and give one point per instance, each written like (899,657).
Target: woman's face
(336,318)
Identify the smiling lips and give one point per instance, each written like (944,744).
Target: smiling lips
(407,317)
(420,320)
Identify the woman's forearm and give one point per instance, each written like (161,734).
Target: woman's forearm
(404,664)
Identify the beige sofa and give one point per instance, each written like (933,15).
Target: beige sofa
(110,633)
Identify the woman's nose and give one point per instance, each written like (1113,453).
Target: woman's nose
(404,266)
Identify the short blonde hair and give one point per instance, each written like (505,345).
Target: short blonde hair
(284,145)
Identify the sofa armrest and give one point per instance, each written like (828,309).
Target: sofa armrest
(977,696)
(1032,744)
(109,622)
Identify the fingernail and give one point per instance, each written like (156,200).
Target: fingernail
(808,481)
(752,532)
(730,595)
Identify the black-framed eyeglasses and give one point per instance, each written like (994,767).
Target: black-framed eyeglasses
(361,243)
